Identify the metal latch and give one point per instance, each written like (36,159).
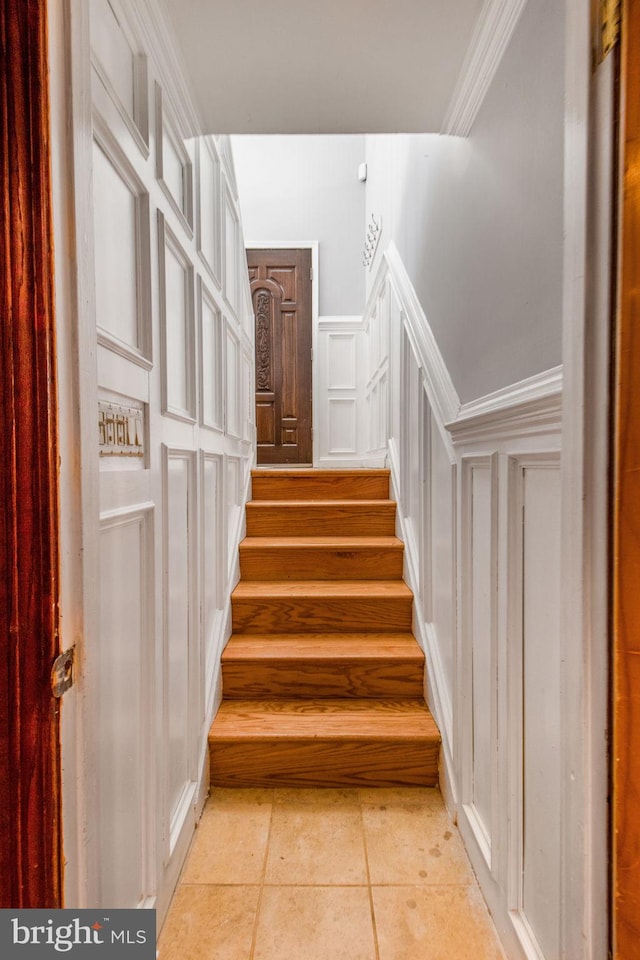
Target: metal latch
(62,672)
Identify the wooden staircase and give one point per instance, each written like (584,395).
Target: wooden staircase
(322,679)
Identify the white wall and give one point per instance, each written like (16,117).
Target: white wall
(307,188)
(478,221)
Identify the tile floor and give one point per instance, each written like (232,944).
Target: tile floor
(353,874)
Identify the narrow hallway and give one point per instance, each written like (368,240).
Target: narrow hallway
(313,874)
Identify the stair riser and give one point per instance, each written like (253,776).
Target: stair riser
(313,520)
(325,486)
(335,679)
(292,615)
(321,763)
(315,563)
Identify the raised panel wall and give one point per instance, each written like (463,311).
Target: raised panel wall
(121,247)
(174,433)
(125,708)
(480,514)
(180,657)
(538,714)
(341,421)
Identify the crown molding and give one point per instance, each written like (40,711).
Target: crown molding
(494,29)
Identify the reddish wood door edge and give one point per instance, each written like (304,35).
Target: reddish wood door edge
(30,844)
(626,550)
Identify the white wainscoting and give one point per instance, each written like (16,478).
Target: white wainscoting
(166,329)
(341,418)
(478,490)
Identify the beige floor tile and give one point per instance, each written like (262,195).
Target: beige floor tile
(210,923)
(257,795)
(438,923)
(230,843)
(315,923)
(325,795)
(415,844)
(316,843)
(402,796)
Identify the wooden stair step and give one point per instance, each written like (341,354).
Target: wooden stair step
(322,665)
(325,605)
(316,558)
(269,518)
(317,742)
(320,484)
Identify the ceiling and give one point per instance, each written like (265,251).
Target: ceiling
(323,66)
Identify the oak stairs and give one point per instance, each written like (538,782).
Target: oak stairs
(322,679)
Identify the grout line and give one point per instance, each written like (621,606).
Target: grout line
(369,888)
(262,880)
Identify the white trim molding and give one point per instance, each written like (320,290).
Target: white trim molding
(494,29)
(442,393)
(528,407)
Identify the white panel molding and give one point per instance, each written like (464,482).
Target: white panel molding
(233,402)
(212,641)
(346,324)
(206,148)
(149,20)
(215,369)
(529,407)
(494,29)
(176,822)
(348,405)
(443,397)
(141,515)
(484,832)
(136,119)
(226,153)
(140,352)
(230,250)
(349,381)
(514,720)
(437,694)
(247,365)
(167,241)
(167,125)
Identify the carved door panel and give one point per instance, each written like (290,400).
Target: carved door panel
(281,293)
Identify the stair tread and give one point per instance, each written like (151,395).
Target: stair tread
(332,589)
(322,540)
(322,646)
(324,719)
(318,504)
(317,484)
(338,473)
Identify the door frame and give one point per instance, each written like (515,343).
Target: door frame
(31,865)
(625,512)
(314,246)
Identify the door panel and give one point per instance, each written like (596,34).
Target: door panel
(281,293)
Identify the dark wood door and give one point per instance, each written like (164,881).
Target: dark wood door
(281,293)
